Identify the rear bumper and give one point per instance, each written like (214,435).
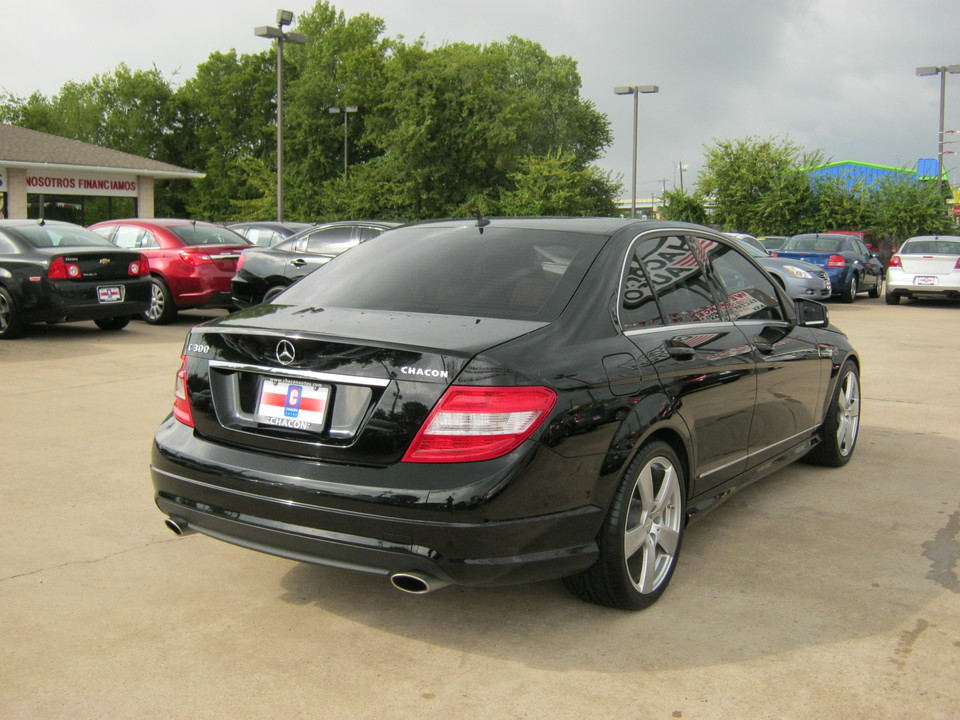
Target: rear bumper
(903,285)
(68,301)
(338,518)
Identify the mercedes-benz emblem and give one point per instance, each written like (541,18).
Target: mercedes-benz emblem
(286,352)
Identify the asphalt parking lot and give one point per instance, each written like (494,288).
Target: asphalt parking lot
(815,593)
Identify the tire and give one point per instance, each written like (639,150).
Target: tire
(877,289)
(271,292)
(162,311)
(641,535)
(891,298)
(10,323)
(849,294)
(118,322)
(838,434)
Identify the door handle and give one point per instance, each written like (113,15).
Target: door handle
(299,262)
(680,350)
(762,345)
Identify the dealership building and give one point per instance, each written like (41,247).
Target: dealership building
(46,176)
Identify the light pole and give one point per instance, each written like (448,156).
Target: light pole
(681,167)
(635,90)
(942,71)
(346,113)
(284,18)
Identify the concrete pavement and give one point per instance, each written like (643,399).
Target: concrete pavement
(814,593)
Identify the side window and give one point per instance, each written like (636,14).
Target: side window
(368,232)
(262,237)
(331,241)
(132,238)
(747,293)
(665,284)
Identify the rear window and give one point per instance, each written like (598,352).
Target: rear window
(932,246)
(50,235)
(502,273)
(823,243)
(207,235)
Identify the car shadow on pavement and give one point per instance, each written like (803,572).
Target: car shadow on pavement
(804,557)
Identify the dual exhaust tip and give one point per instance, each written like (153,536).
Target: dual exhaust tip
(413,583)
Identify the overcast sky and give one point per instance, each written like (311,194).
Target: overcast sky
(836,76)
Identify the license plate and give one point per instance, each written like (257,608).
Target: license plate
(110,294)
(292,404)
(926,280)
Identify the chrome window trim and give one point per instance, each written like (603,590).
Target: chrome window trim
(677,231)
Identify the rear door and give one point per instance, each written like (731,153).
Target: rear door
(317,249)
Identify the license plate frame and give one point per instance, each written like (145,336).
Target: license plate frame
(109,294)
(292,403)
(925,280)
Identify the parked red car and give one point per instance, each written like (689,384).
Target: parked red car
(191,262)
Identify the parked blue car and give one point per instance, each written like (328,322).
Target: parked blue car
(852,268)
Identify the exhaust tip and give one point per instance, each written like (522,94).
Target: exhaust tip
(410,583)
(178,527)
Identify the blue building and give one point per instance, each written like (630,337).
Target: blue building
(868,173)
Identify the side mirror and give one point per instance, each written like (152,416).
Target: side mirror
(812,314)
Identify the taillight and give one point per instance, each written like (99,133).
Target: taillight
(480,423)
(60,269)
(836,261)
(243,257)
(181,404)
(895,262)
(195,259)
(956,265)
(139,267)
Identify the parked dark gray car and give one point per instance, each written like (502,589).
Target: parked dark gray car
(263,273)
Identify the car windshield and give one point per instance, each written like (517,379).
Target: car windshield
(932,246)
(814,244)
(52,235)
(497,273)
(207,235)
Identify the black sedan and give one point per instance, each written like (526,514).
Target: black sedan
(263,273)
(503,401)
(59,272)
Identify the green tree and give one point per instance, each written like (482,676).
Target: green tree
(459,120)
(342,64)
(685,207)
(557,184)
(737,174)
(224,122)
(903,207)
(841,204)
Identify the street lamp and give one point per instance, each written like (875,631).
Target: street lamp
(635,90)
(284,18)
(346,113)
(682,167)
(942,71)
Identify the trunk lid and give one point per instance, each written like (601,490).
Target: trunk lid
(95,263)
(332,384)
(928,264)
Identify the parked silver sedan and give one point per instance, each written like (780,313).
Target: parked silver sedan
(798,278)
(926,266)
